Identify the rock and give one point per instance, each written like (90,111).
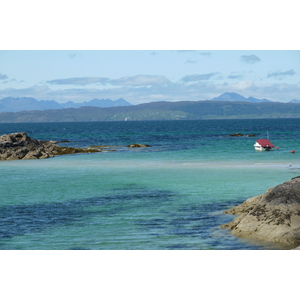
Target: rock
(236,134)
(20,146)
(272,217)
(70,150)
(137,146)
(240,134)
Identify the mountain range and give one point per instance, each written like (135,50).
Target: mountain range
(10,104)
(238,97)
(226,106)
(181,110)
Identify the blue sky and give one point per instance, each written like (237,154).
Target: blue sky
(141,76)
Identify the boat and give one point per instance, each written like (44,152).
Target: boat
(263,145)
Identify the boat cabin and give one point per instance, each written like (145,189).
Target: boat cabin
(263,145)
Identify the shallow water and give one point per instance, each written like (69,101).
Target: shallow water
(168,196)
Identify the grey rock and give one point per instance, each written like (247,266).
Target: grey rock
(20,146)
(272,217)
(137,146)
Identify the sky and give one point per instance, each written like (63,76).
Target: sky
(142,76)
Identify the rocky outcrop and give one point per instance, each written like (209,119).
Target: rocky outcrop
(241,134)
(137,146)
(20,146)
(272,217)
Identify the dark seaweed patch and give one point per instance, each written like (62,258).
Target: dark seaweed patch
(26,219)
(192,223)
(202,221)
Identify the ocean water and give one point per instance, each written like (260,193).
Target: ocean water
(169,196)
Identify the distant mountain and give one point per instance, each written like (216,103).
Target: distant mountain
(181,110)
(96,103)
(10,104)
(294,101)
(238,97)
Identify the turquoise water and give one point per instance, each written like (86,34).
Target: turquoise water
(168,196)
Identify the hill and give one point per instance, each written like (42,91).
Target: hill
(294,101)
(183,110)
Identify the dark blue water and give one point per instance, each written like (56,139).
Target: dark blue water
(167,134)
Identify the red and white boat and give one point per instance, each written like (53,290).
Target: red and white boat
(263,145)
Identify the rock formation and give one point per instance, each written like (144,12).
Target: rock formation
(272,217)
(137,146)
(241,134)
(20,146)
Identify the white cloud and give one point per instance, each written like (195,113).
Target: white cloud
(280,75)
(79,81)
(197,77)
(235,76)
(140,80)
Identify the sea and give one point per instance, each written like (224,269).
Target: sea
(169,196)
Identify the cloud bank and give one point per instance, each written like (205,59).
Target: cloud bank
(250,59)
(3,76)
(280,75)
(197,77)
(79,81)
(147,88)
(161,89)
(138,80)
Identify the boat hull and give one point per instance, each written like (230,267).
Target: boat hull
(258,147)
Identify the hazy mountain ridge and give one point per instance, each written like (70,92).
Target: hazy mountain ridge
(182,110)
(226,106)
(237,97)
(10,104)
(294,101)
